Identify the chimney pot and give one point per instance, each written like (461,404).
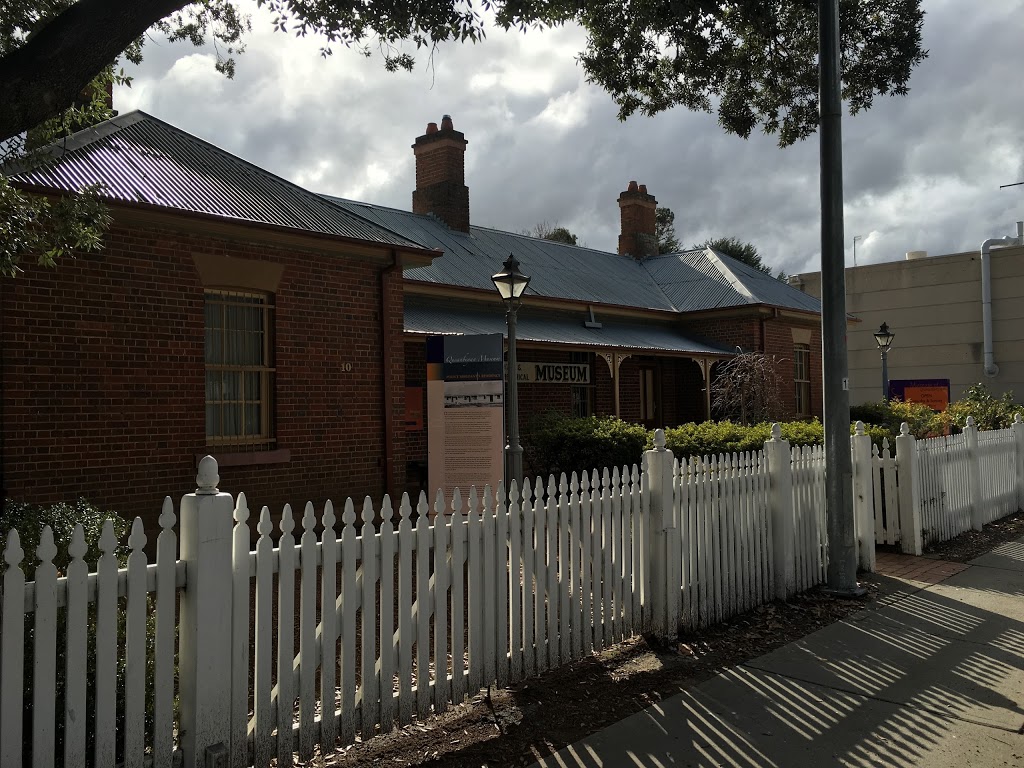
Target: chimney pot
(431,127)
(632,187)
(643,189)
(446,123)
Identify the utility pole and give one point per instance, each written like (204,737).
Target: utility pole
(842,551)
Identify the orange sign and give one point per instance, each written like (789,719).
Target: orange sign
(936,398)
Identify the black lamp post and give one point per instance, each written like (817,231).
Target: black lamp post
(511,283)
(883,338)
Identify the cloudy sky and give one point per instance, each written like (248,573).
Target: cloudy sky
(921,172)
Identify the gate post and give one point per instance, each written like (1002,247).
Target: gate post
(204,645)
(863,498)
(666,585)
(780,472)
(974,489)
(1018,439)
(908,482)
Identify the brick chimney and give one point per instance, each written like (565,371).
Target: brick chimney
(441,175)
(638,235)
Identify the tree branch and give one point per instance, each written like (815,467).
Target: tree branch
(45,75)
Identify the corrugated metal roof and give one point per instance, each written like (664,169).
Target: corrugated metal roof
(556,270)
(442,319)
(140,159)
(707,279)
(682,282)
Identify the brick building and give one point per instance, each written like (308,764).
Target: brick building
(230,313)
(236,314)
(650,327)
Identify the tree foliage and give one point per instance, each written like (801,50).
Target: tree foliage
(748,388)
(754,62)
(553,232)
(739,250)
(665,231)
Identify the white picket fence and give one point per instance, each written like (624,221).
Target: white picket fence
(367,625)
(960,482)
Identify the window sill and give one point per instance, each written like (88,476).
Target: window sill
(227,458)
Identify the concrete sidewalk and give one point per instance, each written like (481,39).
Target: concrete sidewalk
(931,674)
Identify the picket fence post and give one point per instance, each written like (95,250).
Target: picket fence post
(1018,439)
(975,492)
(863,497)
(780,474)
(204,653)
(911,538)
(665,585)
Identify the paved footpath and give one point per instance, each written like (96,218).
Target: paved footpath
(931,674)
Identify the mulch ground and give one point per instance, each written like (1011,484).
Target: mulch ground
(516,726)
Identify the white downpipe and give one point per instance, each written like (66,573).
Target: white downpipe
(990,368)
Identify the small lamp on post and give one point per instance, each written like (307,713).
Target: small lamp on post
(883,338)
(511,283)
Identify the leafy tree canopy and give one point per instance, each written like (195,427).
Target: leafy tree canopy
(553,232)
(665,231)
(754,62)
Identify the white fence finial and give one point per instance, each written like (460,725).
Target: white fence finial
(659,439)
(207,479)
(13,553)
(971,422)
(904,428)
(859,428)
(776,431)
(1017,419)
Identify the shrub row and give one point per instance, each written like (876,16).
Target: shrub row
(555,443)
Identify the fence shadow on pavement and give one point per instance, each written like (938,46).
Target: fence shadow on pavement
(920,678)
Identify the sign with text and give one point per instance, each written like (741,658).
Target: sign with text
(553,373)
(465,413)
(931,392)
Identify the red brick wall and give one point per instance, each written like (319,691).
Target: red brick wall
(104,382)
(441,177)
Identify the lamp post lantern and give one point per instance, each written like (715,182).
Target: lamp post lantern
(511,283)
(883,338)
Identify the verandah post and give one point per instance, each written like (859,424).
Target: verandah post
(780,473)
(976,492)
(205,627)
(863,497)
(1018,439)
(665,585)
(911,539)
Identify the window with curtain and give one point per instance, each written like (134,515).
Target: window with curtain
(239,369)
(802,378)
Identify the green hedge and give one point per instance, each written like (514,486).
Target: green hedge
(554,443)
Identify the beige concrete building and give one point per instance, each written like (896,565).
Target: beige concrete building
(934,306)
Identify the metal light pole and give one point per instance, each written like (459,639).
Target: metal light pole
(842,551)
(883,338)
(511,283)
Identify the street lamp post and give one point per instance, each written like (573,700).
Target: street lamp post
(511,283)
(883,338)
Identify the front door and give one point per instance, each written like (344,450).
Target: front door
(650,397)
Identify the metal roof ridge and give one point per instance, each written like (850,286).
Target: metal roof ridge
(737,284)
(654,280)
